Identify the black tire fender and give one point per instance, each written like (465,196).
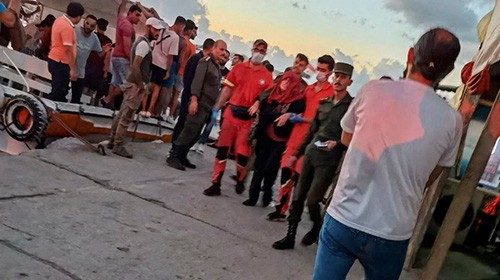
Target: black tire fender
(25,118)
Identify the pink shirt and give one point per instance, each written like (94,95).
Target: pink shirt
(124,29)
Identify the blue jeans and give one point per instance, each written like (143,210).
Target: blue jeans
(340,245)
(206,132)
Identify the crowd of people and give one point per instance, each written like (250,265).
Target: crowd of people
(387,145)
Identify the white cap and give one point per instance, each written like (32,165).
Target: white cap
(156,23)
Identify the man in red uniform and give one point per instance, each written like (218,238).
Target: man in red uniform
(313,94)
(242,88)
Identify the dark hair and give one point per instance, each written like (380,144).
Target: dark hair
(190,25)
(208,44)
(75,10)
(435,53)
(228,52)
(268,65)
(91,17)
(302,57)
(102,24)
(180,20)
(327,59)
(239,56)
(385,78)
(134,8)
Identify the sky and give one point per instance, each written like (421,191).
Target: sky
(372,35)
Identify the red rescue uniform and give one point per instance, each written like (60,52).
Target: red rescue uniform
(247,81)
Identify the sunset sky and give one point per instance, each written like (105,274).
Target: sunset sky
(373,35)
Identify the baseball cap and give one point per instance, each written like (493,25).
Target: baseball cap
(260,42)
(156,23)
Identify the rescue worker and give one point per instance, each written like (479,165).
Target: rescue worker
(133,87)
(322,152)
(321,89)
(286,96)
(242,87)
(204,94)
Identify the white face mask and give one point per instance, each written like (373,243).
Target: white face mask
(321,77)
(257,57)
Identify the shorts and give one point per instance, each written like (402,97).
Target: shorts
(119,69)
(170,82)
(157,75)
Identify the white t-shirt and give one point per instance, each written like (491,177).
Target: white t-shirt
(401,131)
(142,49)
(167,44)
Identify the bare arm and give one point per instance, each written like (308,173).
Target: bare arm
(346,138)
(8,18)
(225,94)
(15,5)
(434,175)
(122,9)
(148,12)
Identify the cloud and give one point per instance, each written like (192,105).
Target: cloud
(295,5)
(452,14)
(408,37)
(388,67)
(360,21)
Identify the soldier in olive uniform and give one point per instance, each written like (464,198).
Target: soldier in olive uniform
(204,93)
(322,152)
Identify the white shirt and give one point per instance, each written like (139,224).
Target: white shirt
(167,44)
(401,131)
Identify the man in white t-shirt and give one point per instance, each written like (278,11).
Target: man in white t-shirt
(164,50)
(400,135)
(134,86)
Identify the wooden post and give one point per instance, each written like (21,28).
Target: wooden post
(464,193)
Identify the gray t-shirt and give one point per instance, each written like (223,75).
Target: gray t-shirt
(401,131)
(85,45)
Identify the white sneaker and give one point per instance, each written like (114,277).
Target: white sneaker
(195,147)
(201,148)
(170,119)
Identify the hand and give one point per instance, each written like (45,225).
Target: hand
(292,160)
(167,75)
(281,120)
(330,144)
(73,75)
(193,106)
(106,48)
(254,109)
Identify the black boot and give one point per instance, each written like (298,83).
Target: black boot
(185,161)
(288,242)
(276,216)
(311,237)
(213,190)
(240,187)
(173,159)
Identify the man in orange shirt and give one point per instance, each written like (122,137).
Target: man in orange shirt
(313,94)
(242,88)
(62,55)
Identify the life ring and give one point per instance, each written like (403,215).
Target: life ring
(25,118)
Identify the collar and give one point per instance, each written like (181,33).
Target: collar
(346,99)
(326,86)
(259,67)
(67,18)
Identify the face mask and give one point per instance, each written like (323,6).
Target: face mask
(321,77)
(257,57)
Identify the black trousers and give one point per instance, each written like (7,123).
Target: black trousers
(267,164)
(77,90)
(60,80)
(181,120)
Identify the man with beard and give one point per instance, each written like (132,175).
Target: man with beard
(204,94)
(133,87)
(86,42)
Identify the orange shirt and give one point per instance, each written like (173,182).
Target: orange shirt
(312,100)
(247,82)
(188,51)
(63,35)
